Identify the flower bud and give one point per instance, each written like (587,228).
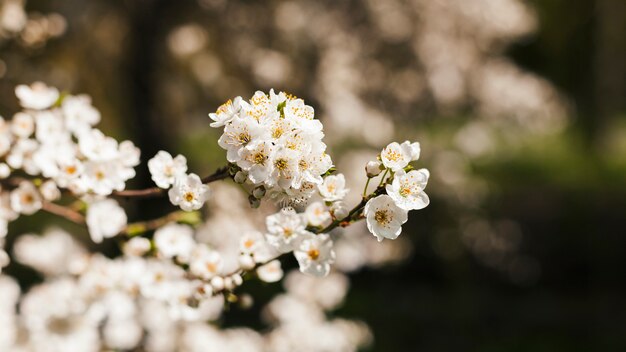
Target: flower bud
(246,301)
(137,246)
(254,202)
(240,177)
(229,284)
(339,210)
(246,262)
(373,168)
(259,192)
(217,283)
(237,279)
(5,171)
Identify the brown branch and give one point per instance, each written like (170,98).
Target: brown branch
(154,192)
(64,212)
(356,210)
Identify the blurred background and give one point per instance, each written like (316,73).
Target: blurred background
(520,108)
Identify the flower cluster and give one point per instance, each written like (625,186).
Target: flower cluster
(276,143)
(187,190)
(54,139)
(386,213)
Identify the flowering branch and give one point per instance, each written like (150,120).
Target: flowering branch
(154,192)
(357,209)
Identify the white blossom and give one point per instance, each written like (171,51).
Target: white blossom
(384,218)
(396,156)
(317,214)
(333,188)
(174,241)
(25,199)
(165,170)
(270,272)
(205,263)
(226,112)
(284,229)
(407,189)
(315,254)
(105,219)
(37,96)
(188,192)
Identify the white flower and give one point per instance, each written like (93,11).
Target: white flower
(285,168)
(407,189)
(253,243)
(414,148)
(165,170)
(257,160)
(105,219)
(37,96)
(205,263)
(315,254)
(50,191)
(225,113)
(317,214)
(136,246)
(333,188)
(270,272)
(396,156)
(384,218)
(23,125)
(79,114)
(96,146)
(189,192)
(25,199)
(174,240)
(239,133)
(285,229)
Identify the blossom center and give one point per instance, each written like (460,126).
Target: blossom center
(259,158)
(393,155)
(382,217)
(281,164)
(313,254)
(189,196)
(405,191)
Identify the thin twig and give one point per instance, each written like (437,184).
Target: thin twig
(154,192)
(64,212)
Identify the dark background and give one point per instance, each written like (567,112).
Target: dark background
(556,199)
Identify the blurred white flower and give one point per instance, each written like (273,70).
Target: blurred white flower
(315,254)
(205,263)
(37,96)
(174,241)
(270,272)
(137,246)
(25,199)
(317,214)
(105,219)
(284,229)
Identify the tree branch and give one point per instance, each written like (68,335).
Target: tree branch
(154,192)
(64,212)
